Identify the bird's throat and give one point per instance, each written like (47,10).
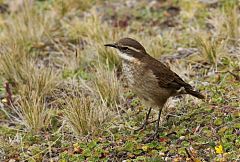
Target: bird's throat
(127,57)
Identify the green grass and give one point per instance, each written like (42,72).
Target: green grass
(71,102)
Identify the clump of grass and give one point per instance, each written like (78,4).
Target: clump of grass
(230,9)
(29,83)
(22,73)
(43,81)
(12,64)
(210,47)
(84,115)
(108,87)
(33,86)
(32,112)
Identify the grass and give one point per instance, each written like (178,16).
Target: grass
(83,116)
(108,87)
(210,48)
(32,113)
(63,96)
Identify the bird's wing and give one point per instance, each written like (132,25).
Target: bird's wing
(166,77)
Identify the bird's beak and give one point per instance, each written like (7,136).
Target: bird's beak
(111,45)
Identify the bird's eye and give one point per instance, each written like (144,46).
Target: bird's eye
(124,48)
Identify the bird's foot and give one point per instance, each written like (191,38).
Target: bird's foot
(144,125)
(153,137)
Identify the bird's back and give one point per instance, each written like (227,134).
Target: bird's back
(168,79)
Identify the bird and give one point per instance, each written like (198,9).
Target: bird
(150,79)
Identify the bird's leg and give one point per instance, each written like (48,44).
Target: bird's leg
(154,135)
(158,120)
(146,121)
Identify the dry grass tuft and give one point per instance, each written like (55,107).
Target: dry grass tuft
(210,47)
(32,112)
(13,65)
(32,85)
(232,21)
(108,87)
(22,73)
(43,81)
(84,115)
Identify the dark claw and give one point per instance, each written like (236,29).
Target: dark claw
(144,125)
(153,137)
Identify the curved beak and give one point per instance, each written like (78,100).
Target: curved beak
(111,45)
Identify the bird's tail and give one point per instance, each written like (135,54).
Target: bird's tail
(195,93)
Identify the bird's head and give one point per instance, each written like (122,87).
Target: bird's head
(129,49)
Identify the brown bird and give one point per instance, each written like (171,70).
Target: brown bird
(150,79)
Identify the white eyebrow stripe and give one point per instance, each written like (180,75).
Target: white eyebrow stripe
(132,48)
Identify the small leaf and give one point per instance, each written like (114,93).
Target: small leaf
(153,144)
(137,152)
(218,121)
(237,125)
(145,148)
(4,100)
(196,160)
(163,139)
(92,144)
(222,130)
